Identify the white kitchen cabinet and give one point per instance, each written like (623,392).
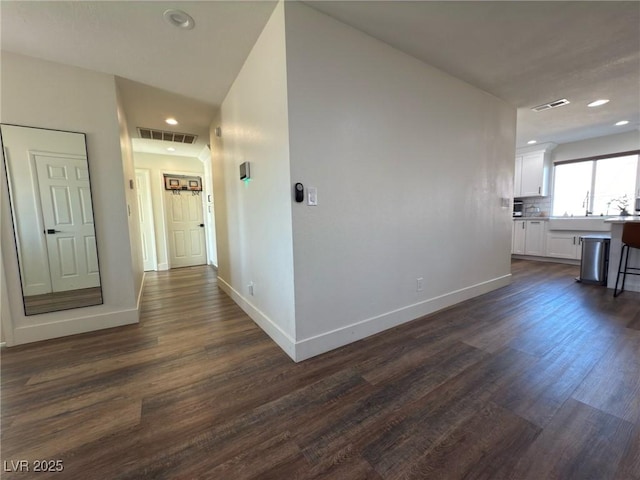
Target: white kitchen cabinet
(533,173)
(563,244)
(528,237)
(551,238)
(517,180)
(519,231)
(535,238)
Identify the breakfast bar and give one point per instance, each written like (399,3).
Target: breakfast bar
(633,281)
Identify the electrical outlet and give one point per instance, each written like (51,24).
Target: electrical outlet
(250,286)
(419,284)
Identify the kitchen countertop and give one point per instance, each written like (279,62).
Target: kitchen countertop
(630,218)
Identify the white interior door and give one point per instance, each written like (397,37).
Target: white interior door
(68,220)
(185,229)
(147,229)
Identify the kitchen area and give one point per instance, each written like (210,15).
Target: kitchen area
(571,203)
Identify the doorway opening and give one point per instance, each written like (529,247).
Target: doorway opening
(176,226)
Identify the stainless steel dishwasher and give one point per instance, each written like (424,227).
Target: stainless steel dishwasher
(595,259)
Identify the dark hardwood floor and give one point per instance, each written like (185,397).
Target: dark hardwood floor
(538,380)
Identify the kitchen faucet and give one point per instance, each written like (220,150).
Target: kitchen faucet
(585,205)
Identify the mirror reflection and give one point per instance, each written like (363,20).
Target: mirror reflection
(50,194)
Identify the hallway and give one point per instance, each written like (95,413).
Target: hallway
(540,379)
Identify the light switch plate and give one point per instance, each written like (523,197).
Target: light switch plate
(312,196)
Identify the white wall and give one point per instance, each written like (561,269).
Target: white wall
(49,95)
(410,165)
(157,166)
(622,142)
(133,210)
(253,220)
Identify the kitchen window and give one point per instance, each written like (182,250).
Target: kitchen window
(597,186)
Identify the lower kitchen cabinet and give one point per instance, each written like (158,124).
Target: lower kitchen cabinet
(562,244)
(534,241)
(528,237)
(517,242)
(533,238)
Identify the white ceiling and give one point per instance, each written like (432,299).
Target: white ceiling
(527,53)
(149,107)
(190,71)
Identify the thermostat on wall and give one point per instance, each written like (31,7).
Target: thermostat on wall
(245,173)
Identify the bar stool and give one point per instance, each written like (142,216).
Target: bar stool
(630,239)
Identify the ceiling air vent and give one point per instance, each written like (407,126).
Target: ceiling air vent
(554,104)
(151,134)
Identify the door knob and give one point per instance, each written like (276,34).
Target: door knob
(202,224)
(51,231)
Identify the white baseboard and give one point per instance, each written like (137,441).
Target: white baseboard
(324,342)
(163,266)
(63,328)
(284,341)
(312,346)
(566,261)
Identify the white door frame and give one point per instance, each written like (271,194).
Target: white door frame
(146,205)
(210,230)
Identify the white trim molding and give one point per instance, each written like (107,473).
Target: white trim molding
(284,341)
(74,326)
(310,347)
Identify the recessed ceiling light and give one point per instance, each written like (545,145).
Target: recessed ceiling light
(531,142)
(171,149)
(622,122)
(179,19)
(597,103)
(171,121)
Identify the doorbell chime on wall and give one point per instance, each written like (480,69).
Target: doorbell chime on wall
(299,191)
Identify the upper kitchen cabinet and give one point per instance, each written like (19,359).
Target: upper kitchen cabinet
(533,172)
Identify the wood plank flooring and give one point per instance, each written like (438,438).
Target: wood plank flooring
(537,380)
